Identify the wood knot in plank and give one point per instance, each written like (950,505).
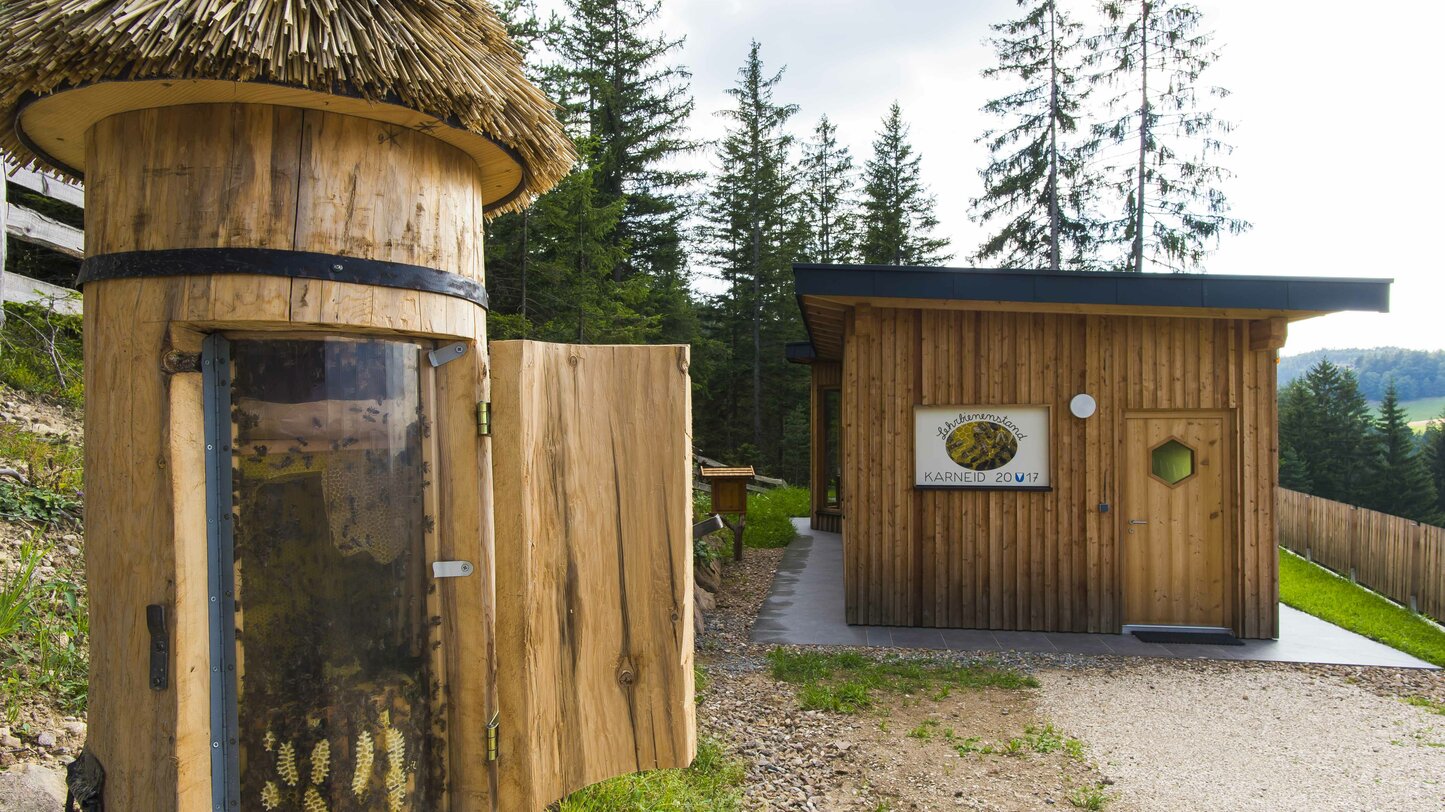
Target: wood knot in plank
(626,673)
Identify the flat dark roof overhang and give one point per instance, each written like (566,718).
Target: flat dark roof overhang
(825,290)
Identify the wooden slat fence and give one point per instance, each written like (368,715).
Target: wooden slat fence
(23,224)
(1396,557)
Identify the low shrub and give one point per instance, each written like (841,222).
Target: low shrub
(771,514)
(40,353)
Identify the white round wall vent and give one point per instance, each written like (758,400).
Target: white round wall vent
(1083,406)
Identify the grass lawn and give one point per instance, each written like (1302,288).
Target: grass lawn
(1419,408)
(1314,589)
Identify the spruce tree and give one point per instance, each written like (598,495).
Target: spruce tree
(898,217)
(753,237)
(1296,405)
(558,285)
(1401,485)
(1292,472)
(1434,455)
(572,267)
(829,209)
(1325,420)
(1035,181)
(1160,149)
(635,103)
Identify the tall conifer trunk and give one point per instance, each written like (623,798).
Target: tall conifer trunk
(1053,139)
(757,338)
(1143,134)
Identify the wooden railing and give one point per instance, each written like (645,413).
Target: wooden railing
(1398,558)
(32,227)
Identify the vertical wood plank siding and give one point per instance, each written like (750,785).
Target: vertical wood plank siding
(1028,560)
(825,375)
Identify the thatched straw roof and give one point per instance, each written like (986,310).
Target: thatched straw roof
(447,59)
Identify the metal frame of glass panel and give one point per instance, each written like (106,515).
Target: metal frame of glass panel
(220,582)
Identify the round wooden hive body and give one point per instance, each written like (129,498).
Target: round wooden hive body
(296,187)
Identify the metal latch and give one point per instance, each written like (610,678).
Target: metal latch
(160,647)
(484,418)
(492,734)
(451,569)
(450,352)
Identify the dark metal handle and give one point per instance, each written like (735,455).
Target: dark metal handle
(160,647)
(1138,521)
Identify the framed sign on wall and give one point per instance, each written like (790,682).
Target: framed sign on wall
(981,447)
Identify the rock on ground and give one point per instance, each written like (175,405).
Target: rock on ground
(32,788)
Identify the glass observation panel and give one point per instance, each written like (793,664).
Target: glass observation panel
(832,447)
(1172,462)
(332,705)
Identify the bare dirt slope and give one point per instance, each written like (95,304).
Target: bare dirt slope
(34,730)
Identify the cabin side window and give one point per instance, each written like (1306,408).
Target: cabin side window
(832,448)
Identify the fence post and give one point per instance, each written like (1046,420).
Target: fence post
(1352,539)
(4,238)
(1414,562)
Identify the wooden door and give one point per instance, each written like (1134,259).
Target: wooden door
(1176,520)
(592,465)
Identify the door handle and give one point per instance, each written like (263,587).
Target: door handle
(1138,521)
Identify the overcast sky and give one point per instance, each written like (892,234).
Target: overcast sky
(1336,151)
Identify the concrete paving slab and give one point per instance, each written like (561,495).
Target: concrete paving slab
(805,607)
(971,640)
(918,638)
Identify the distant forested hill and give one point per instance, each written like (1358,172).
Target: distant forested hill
(1417,373)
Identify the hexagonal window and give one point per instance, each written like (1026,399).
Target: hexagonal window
(1172,462)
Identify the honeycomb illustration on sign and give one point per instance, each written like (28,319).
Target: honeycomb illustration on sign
(981,445)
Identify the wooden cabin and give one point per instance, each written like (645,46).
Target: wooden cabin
(1074,452)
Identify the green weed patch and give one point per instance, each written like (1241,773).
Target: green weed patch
(47,462)
(847,682)
(712,784)
(44,629)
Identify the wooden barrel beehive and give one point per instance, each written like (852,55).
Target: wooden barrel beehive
(317,201)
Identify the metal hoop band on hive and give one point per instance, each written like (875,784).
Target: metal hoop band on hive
(275,262)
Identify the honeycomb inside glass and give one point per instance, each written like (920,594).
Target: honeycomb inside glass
(334,697)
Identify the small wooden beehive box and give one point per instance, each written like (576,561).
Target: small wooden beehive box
(729,488)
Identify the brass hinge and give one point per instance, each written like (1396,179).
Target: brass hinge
(492,728)
(484,418)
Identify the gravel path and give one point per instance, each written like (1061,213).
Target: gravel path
(1219,736)
(1162,734)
